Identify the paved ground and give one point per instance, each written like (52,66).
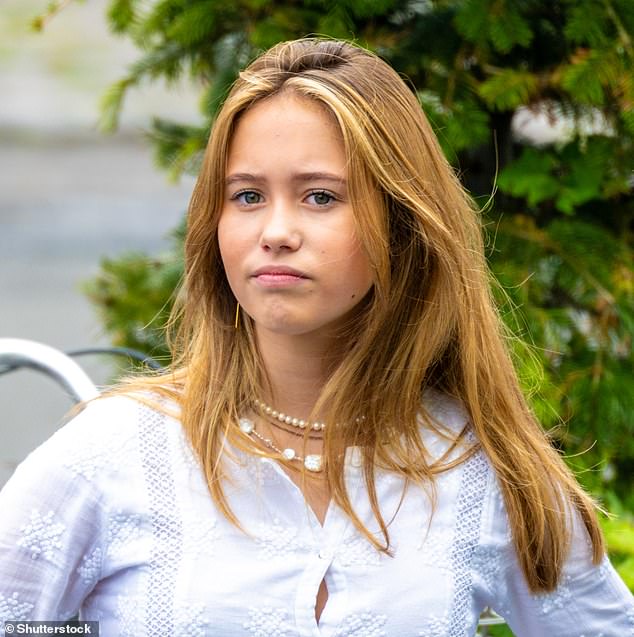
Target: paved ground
(64,204)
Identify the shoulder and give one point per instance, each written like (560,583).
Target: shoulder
(444,426)
(98,426)
(445,410)
(99,440)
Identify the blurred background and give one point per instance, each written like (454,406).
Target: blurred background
(105,113)
(69,195)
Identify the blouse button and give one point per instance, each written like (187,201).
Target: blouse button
(325,554)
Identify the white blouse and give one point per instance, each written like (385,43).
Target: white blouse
(111,519)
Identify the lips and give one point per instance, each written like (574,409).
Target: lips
(278,275)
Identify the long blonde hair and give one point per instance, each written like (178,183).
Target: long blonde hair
(429,320)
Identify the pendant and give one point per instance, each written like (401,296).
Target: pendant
(313,462)
(246,425)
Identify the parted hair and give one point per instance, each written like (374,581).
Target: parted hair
(429,321)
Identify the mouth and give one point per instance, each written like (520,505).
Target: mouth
(269,276)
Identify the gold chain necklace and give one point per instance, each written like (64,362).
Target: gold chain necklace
(313,462)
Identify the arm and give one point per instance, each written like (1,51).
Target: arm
(51,535)
(590,601)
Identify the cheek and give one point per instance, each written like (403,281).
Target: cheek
(360,270)
(229,247)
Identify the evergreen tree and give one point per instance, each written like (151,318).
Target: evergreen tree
(559,223)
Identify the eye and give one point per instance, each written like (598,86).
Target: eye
(322,198)
(247,197)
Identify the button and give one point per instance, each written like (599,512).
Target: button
(325,554)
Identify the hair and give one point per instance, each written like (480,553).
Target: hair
(429,320)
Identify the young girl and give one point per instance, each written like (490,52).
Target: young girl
(341,447)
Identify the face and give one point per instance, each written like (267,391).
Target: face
(287,232)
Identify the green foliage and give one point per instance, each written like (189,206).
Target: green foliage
(619,535)
(561,225)
(135,295)
(577,302)
(508,89)
(495,23)
(580,172)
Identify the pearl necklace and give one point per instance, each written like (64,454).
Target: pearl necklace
(299,423)
(313,462)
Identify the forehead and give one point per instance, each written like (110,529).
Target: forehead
(286,127)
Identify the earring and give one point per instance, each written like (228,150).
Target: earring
(237,321)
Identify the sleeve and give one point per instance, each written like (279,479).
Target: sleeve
(590,601)
(51,535)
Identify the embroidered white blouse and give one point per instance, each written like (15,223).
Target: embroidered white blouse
(111,518)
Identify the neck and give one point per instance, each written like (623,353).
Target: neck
(297,368)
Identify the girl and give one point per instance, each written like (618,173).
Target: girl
(341,447)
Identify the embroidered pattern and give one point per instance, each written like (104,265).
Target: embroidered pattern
(486,562)
(260,471)
(86,461)
(42,535)
(127,614)
(558,599)
(12,609)
(275,540)
(90,566)
(95,453)
(123,528)
(266,622)
(468,518)
(190,621)
(357,551)
(435,627)
(362,625)
(436,548)
(200,534)
(166,523)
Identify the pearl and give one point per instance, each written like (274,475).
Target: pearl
(288,420)
(246,425)
(289,453)
(313,462)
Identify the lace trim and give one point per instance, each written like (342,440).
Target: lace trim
(166,523)
(468,520)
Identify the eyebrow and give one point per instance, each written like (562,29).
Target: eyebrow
(297,177)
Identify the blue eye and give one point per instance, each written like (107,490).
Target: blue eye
(248,197)
(322,198)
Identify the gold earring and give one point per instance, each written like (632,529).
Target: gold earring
(237,321)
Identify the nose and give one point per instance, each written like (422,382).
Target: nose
(281,231)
